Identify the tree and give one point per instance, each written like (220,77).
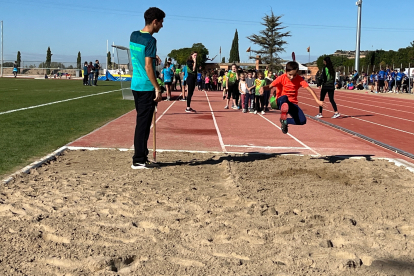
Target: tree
(181,55)
(234,51)
(270,40)
(79,61)
(108,56)
(48,60)
(19,60)
(223,60)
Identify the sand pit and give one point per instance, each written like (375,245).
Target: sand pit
(88,213)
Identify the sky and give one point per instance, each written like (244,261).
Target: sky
(31,26)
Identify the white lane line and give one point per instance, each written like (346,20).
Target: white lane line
(365,97)
(296,139)
(165,111)
(215,124)
(379,107)
(62,101)
(264,147)
(372,111)
(350,116)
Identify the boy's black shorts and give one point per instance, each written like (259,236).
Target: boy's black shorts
(381,83)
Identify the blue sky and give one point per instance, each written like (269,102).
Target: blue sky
(30,26)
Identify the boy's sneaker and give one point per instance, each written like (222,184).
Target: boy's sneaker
(190,110)
(336,115)
(251,110)
(183,99)
(235,107)
(244,110)
(318,116)
(284,109)
(283,126)
(263,113)
(226,107)
(146,165)
(255,112)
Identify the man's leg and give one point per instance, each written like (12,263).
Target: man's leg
(96,79)
(144,105)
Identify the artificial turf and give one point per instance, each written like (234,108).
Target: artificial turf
(29,134)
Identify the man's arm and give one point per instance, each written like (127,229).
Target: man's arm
(151,75)
(320,103)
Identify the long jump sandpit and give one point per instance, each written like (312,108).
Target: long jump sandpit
(88,213)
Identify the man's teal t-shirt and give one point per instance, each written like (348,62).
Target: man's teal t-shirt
(142,45)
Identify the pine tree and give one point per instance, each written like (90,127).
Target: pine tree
(19,60)
(109,60)
(234,51)
(48,60)
(79,61)
(271,40)
(223,60)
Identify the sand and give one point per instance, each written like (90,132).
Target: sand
(88,213)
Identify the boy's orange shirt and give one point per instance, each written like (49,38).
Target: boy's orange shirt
(285,86)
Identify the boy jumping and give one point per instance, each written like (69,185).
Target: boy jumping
(287,86)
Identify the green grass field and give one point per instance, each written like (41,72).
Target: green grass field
(30,134)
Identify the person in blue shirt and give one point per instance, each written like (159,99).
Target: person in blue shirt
(168,74)
(184,75)
(144,85)
(399,78)
(381,80)
(199,76)
(85,73)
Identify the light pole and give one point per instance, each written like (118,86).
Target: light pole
(358,38)
(1,71)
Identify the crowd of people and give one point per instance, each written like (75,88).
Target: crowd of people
(383,81)
(91,73)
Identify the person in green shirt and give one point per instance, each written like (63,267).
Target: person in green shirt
(259,100)
(232,87)
(177,77)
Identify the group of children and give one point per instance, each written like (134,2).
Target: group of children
(249,90)
(385,80)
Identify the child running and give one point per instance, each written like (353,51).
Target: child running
(287,86)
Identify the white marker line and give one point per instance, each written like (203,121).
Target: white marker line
(389,100)
(62,101)
(373,112)
(350,116)
(297,140)
(215,124)
(264,147)
(379,107)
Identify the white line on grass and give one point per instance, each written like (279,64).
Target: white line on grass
(296,139)
(350,116)
(215,124)
(62,101)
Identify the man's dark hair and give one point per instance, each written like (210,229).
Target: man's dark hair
(292,66)
(153,13)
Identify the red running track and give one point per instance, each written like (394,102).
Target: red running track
(385,119)
(215,129)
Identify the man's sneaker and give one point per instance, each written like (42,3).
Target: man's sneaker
(263,113)
(190,110)
(318,116)
(226,107)
(284,109)
(244,110)
(147,165)
(336,115)
(284,126)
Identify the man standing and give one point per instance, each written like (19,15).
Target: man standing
(97,68)
(144,84)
